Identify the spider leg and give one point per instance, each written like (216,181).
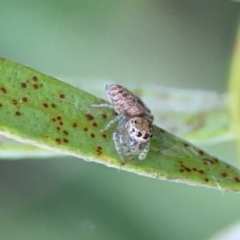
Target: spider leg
(149,117)
(122,122)
(107,105)
(143,152)
(110,123)
(118,145)
(101,105)
(121,119)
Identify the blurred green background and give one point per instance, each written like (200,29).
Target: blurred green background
(180,44)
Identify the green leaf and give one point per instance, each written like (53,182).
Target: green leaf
(183,112)
(38,109)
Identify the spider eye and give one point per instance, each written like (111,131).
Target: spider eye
(133,130)
(135,122)
(139,134)
(146,136)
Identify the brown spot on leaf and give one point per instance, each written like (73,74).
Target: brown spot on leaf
(94,124)
(206,179)
(224,174)
(104,115)
(188,169)
(62,95)
(3,90)
(45,105)
(65,132)
(24,99)
(14,102)
(58,140)
(89,117)
(237,179)
(58,128)
(53,119)
(201,171)
(85,129)
(34,78)
(17,113)
(61,123)
(35,86)
(53,105)
(23,85)
(92,135)
(1,105)
(104,135)
(65,140)
(74,125)
(99,150)
(186,145)
(194,169)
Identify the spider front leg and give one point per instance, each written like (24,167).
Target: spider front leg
(121,119)
(149,117)
(143,152)
(110,123)
(117,138)
(101,105)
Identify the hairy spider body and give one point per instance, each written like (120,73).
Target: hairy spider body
(134,130)
(124,103)
(124,100)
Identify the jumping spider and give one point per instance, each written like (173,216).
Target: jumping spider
(134,130)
